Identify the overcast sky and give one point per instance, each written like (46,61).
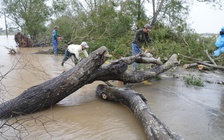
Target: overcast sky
(203,19)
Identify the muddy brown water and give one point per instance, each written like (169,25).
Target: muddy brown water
(194,113)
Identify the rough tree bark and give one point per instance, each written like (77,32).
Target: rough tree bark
(90,69)
(153,127)
(22,40)
(49,93)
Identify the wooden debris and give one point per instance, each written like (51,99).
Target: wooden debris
(23,40)
(153,127)
(206,51)
(90,69)
(11,50)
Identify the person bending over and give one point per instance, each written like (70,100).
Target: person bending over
(75,50)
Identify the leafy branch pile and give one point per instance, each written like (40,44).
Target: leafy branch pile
(113,24)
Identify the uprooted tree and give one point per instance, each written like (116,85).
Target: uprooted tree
(49,93)
(22,40)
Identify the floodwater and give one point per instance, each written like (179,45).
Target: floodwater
(194,113)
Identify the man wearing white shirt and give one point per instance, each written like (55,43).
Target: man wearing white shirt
(74,50)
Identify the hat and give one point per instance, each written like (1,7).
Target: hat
(56,27)
(147,26)
(85,45)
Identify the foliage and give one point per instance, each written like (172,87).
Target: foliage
(30,15)
(112,24)
(174,13)
(191,79)
(58,6)
(167,42)
(214,3)
(101,25)
(136,10)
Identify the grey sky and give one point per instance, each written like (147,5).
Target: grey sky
(205,19)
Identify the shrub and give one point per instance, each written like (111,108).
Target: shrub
(191,79)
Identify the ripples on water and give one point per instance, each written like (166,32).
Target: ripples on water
(193,113)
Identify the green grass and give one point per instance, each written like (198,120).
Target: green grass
(191,79)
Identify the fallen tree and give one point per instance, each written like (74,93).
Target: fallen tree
(90,69)
(153,127)
(22,40)
(202,65)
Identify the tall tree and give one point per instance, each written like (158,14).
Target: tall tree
(96,21)
(137,11)
(29,15)
(174,14)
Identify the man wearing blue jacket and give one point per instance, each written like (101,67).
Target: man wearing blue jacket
(55,39)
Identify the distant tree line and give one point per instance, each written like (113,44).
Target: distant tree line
(10,31)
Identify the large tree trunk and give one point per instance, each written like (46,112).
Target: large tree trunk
(49,93)
(153,127)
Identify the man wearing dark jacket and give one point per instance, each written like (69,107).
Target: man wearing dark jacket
(141,39)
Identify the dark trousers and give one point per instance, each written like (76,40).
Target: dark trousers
(68,55)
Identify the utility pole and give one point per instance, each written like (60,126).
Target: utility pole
(6,27)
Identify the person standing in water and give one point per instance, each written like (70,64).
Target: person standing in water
(55,38)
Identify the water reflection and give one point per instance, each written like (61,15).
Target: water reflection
(193,113)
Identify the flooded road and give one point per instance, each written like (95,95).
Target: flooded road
(195,113)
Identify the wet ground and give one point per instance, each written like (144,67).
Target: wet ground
(194,113)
